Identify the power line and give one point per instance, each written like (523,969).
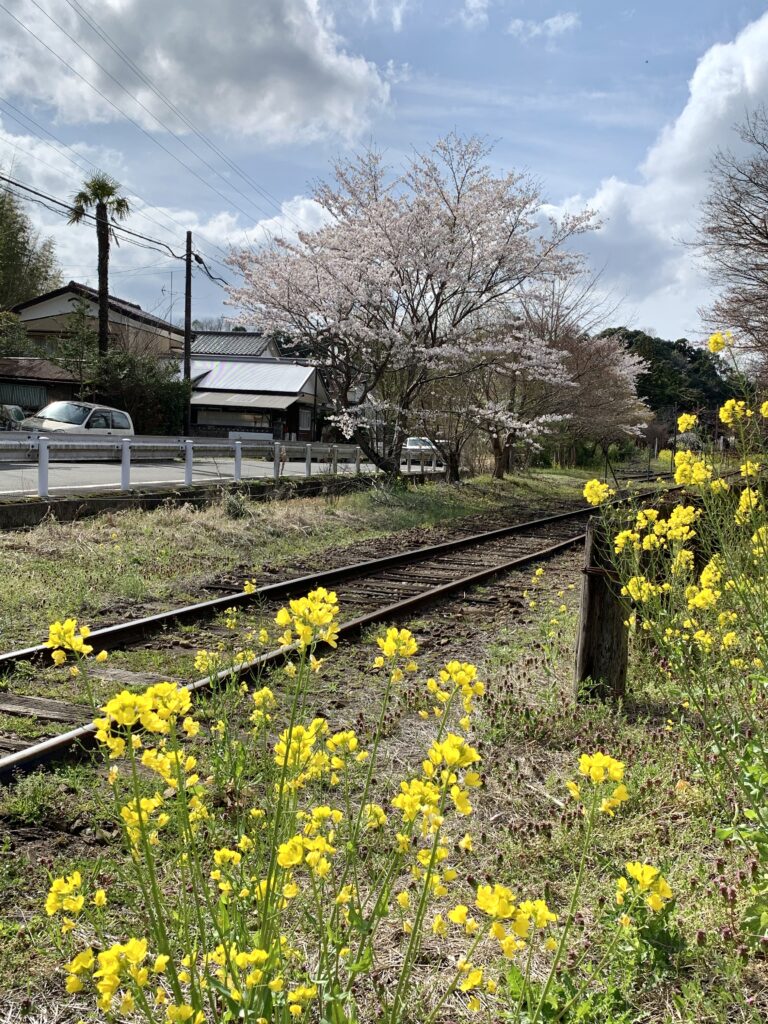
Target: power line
(63,208)
(140,212)
(19,114)
(119,109)
(88,216)
(142,76)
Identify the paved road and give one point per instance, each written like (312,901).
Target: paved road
(18,479)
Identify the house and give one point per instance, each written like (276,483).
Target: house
(130,327)
(256,396)
(32,383)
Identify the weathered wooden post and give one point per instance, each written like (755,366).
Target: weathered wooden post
(601,643)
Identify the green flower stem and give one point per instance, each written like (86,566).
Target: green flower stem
(572,906)
(482,934)
(415,937)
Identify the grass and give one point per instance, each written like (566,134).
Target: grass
(103,569)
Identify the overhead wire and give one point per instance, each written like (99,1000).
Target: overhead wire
(23,119)
(119,109)
(147,110)
(67,207)
(145,78)
(62,208)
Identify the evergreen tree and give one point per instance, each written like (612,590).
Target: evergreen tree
(27,262)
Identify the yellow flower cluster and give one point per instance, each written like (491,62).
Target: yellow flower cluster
(690,469)
(760,542)
(750,505)
(65,895)
(686,421)
(512,922)
(648,882)
(296,752)
(456,677)
(601,768)
(314,851)
(344,750)
(596,492)
(138,816)
(640,590)
(397,642)
(156,710)
(651,532)
(65,636)
(264,702)
(208,662)
(719,340)
(732,411)
(308,620)
(397,645)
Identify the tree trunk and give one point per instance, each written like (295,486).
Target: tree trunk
(388,462)
(452,466)
(102,238)
(499,460)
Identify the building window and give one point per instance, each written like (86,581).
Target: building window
(305,419)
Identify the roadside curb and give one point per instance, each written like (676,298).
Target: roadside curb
(20,513)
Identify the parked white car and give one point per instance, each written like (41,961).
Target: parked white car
(80,417)
(418,444)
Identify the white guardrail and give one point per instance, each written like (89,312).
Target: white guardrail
(126,450)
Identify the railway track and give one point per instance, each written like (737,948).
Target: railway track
(374,591)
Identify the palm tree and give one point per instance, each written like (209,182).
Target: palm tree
(101,192)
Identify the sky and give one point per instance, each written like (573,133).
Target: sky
(613,106)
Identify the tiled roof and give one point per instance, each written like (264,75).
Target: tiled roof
(32,368)
(122,306)
(230,343)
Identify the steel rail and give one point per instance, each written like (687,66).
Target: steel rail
(84,736)
(125,633)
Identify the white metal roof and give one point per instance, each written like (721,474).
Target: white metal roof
(239,400)
(242,375)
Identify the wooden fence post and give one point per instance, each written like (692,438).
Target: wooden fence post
(601,643)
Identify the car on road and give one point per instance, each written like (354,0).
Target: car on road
(80,417)
(11,417)
(415,445)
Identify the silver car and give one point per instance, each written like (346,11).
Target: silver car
(80,417)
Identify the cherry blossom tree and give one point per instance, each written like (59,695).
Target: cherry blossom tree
(600,402)
(406,280)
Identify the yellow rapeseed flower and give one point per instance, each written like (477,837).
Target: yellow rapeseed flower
(596,492)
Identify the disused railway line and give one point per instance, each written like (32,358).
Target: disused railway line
(377,590)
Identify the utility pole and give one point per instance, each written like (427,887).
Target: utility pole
(188,329)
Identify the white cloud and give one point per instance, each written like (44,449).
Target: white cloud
(474,13)
(645,222)
(548,29)
(273,69)
(136,273)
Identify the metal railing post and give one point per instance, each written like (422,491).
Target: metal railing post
(334,459)
(125,464)
(238,461)
(276,468)
(42,467)
(434,462)
(188,456)
(308,462)
(358,460)
(408,463)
